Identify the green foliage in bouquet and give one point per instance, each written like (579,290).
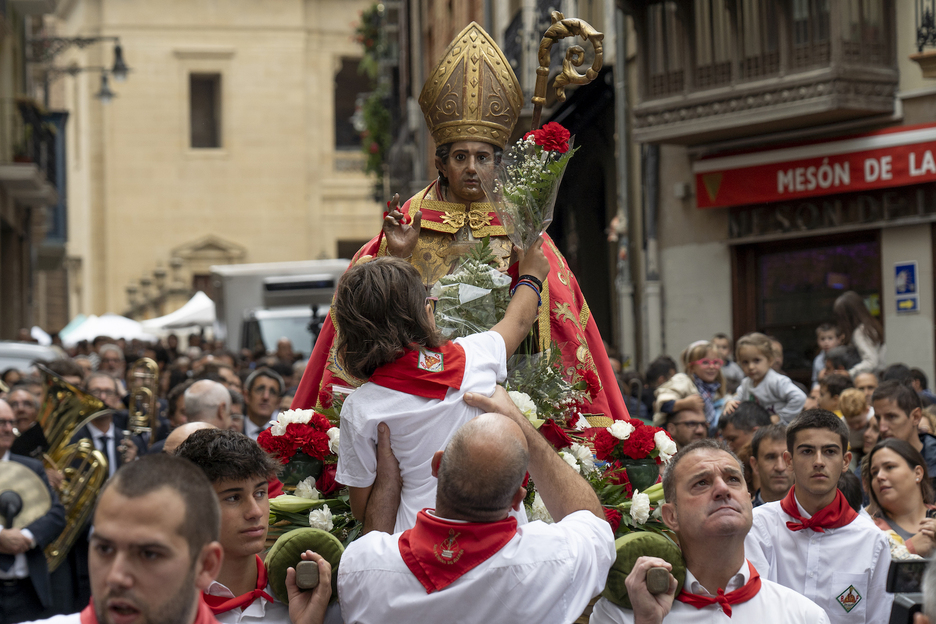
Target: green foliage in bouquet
(542,378)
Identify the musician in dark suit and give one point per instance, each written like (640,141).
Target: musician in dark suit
(25,588)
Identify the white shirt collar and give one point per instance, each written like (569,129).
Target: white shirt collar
(97,434)
(693,586)
(6,456)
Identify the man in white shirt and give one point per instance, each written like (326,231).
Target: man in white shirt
(467,560)
(709,509)
(812,541)
(239,470)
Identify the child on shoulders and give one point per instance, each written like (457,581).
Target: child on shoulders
(775,392)
(828,337)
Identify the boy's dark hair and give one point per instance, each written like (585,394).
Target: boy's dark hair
(843,356)
(816,419)
(897,372)
(900,393)
(227,455)
(920,376)
(776,433)
(747,417)
(660,367)
(836,383)
(850,485)
(826,327)
(380,307)
(202,522)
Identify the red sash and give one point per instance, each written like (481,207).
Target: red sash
(742,594)
(439,552)
(223,604)
(202,616)
(837,514)
(423,372)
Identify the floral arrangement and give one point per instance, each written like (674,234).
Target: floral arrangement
(524,184)
(309,508)
(474,297)
(539,387)
(632,439)
(300,431)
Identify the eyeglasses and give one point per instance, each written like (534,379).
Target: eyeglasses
(432,301)
(692,424)
(18,404)
(102,392)
(707,363)
(7,423)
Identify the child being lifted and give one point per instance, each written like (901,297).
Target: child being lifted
(416,380)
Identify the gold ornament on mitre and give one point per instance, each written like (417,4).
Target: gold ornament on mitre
(472,94)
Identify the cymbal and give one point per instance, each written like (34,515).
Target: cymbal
(22,480)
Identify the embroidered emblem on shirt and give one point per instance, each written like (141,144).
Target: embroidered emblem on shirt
(849,598)
(448,551)
(430,362)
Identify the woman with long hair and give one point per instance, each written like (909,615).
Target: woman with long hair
(862,331)
(901,495)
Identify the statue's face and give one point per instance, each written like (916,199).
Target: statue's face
(467,163)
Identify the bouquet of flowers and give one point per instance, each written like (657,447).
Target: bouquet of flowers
(309,508)
(539,387)
(524,184)
(474,297)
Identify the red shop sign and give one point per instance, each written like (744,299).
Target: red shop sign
(883,159)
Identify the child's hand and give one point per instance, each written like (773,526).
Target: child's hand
(533,261)
(730,407)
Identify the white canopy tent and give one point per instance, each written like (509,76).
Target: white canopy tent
(199,311)
(111,325)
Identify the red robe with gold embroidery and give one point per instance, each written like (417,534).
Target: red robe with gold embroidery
(564,316)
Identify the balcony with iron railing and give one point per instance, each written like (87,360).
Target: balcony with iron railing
(712,70)
(28,152)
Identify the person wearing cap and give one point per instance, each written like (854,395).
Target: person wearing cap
(25,586)
(708,507)
(472,101)
(262,391)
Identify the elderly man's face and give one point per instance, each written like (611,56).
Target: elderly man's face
(7,422)
(105,389)
(24,408)
(112,362)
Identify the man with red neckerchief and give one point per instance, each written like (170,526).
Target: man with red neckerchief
(239,472)
(812,541)
(467,560)
(709,509)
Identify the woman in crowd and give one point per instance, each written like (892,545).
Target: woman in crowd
(901,496)
(862,331)
(701,388)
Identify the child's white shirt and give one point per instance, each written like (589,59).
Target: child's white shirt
(418,426)
(776,393)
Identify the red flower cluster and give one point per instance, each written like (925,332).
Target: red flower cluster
(310,439)
(639,445)
(326,483)
(552,137)
(591,378)
(555,435)
(614,518)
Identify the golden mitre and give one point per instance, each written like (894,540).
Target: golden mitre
(472,94)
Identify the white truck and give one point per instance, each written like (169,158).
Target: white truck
(257,304)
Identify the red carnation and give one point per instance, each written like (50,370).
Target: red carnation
(555,435)
(640,443)
(281,447)
(604,444)
(309,440)
(613,516)
(591,378)
(326,483)
(325,397)
(552,138)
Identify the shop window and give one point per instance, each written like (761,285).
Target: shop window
(797,287)
(863,32)
(205,110)
(712,44)
(811,46)
(350,82)
(665,53)
(759,38)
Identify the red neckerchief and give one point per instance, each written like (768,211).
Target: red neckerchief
(439,552)
(423,372)
(837,514)
(742,594)
(202,616)
(223,604)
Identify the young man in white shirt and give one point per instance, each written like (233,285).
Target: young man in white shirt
(467,560)
(812,541)
(239,470)
(709,509)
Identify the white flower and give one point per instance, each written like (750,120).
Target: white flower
(665,445)
(640,507)
(538,510)
(288,417)
(621,429)
(306,489)
(333,434)
(584,456)
(278,428)
(524,403)
(569,459)
(321,518)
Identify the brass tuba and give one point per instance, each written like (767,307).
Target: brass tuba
(66,409)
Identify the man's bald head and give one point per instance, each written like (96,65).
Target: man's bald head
(482,469)
(181,433)
(208,401)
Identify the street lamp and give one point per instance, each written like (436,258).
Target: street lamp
(120,69)
(105,94)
